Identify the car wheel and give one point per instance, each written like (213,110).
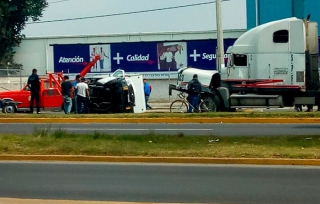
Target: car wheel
(9,109)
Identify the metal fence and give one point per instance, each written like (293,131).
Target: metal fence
(12,82)
(12,78)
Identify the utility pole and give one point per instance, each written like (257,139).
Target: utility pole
(220,50)
(257,12)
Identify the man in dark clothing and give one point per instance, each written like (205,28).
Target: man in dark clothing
(74,100)
(66,90)
(34,86)
(194,89)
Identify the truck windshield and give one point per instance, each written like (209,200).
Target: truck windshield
(118,73)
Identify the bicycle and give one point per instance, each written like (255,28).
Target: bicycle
(182,105)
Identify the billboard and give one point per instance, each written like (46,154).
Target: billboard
(153,58)
(104,64)
(134,57)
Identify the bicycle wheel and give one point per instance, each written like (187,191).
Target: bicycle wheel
(178,106)
(203,107)
(209,104)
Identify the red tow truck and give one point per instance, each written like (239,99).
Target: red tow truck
(50,93)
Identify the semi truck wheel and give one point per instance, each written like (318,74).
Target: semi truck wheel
(211,103)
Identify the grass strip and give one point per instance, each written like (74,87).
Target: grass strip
(170,115)
(59,142)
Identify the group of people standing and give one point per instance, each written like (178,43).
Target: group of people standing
(81,95)
(78,89)
(75,93)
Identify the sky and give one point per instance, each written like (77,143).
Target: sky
(201,17)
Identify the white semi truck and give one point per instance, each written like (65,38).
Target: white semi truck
(272,65)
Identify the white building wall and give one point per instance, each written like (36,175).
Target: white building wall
(38,52)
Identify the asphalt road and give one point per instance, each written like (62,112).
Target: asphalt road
(171,129)
(160,182)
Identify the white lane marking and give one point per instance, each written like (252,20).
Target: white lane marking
(41,201)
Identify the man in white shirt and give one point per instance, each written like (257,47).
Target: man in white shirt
(82,96)
(180,57)
(162,62)
(102,55)
(93,54)
(168,56)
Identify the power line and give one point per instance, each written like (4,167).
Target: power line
(124,13)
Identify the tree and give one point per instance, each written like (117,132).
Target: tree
(14,14)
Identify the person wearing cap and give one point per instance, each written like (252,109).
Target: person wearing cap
(194,89)
(82,96)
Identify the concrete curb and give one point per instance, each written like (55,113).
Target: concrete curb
(161,120)
(184,160)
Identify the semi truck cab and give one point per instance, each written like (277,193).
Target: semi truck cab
(272,65)
(285,51)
